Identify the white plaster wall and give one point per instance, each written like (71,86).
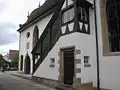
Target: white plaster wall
(109,65)
(74,39)
(88,48)
(70,2)
(110,73)
(43,23)
(23,39)
(91,1)
(44,70)
(64,5)
(85,43)
(89,74)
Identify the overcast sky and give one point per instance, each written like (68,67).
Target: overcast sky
(13,13)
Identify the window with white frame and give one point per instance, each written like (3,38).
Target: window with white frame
(52,62)
(67,15)
(87,61)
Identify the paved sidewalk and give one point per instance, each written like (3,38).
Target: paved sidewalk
(20,74)
(26,76)
(11,82)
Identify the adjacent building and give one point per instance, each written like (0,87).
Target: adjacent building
(13,54)
(73,44)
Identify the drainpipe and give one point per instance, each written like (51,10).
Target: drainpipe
(97,50)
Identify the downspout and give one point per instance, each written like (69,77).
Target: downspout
(97,47)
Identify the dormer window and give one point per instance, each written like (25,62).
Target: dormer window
(67,15)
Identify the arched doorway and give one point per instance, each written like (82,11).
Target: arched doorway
(27,65)
(21,63)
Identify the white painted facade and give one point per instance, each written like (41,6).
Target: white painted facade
(24,40)
(109,65)
(45,71)
(83,42)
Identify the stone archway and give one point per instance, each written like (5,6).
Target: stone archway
(27,67)
(21,63)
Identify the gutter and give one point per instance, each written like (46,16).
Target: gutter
(97,50)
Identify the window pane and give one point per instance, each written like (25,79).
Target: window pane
(64,17)
(68,15)
(79,13)
(82,14)
(71,14)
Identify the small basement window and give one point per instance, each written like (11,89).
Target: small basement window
(67,15)
(52,64)
(87,61)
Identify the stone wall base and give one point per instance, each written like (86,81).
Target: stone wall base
(54,83)
(45,81)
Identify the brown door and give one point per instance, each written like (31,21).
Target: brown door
(27,65)
(68,66)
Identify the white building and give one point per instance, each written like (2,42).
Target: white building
(74,43)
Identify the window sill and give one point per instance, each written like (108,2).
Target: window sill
(112,54)
(87,65)
(66,23)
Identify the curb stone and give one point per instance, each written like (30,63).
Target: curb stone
(21,76)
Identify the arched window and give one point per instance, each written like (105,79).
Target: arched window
(113,19)
(35,36)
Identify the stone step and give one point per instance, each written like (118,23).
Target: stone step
(86,86)
(64,87)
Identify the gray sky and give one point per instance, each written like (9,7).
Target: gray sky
(13,13)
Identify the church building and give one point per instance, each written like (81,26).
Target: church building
(70,44)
